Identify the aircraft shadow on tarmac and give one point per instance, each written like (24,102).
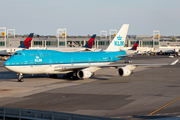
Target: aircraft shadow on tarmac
(11,75)
(104,77)
(157,117)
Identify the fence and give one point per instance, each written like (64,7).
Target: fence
(21,114)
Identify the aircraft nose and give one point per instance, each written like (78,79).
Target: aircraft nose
(6,63)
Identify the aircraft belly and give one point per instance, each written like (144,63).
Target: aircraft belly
(49,69)
(25,69)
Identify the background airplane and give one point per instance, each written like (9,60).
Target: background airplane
(87,47)
(167,51)
(8,51)
(77,65)
(133,49)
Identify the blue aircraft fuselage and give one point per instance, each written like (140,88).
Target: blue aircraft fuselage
(46,57)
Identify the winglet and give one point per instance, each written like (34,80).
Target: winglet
(174,62)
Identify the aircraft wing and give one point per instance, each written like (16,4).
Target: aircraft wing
(130,54)
(70,68)
(79,67)
(119,65)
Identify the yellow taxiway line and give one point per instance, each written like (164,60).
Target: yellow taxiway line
(165,106)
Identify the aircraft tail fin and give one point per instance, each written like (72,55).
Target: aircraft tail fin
(135,46)
(27,42)
(119,39)
(90,43)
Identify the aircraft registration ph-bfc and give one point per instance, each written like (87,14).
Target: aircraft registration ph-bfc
(74,64)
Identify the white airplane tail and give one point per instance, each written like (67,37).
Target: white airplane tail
(119,39)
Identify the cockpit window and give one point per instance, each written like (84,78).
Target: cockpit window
(17,53)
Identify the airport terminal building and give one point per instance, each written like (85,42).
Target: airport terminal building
(144,41)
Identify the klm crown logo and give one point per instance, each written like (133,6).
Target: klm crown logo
(119,37)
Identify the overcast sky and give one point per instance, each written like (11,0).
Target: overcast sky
(83,17)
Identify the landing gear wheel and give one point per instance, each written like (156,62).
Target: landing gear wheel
(53,76)
(72,75)
(65,76)
(93,74)
(75,78)
(20,80)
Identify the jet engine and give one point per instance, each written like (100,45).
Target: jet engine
(124,71)
(84,74)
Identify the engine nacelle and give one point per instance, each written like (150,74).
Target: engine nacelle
(124,71)
(84,74)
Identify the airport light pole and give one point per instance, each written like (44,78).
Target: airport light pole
(9,32)
(156,36)
(103,34)
(57,35)
(4,34)
(61,32)
(112,31)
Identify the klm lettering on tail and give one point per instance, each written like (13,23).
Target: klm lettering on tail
(119,43)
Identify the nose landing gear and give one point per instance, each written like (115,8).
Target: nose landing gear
(20,79)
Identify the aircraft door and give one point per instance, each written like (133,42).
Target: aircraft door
(41,54)
(89,60)
(50,62)
(31,63)
(72,62)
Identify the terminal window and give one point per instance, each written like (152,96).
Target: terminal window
(61,43)
(37,42)
(147,43)
(133,42)
(103,42)
(2,43)
(156,43)
(51,43)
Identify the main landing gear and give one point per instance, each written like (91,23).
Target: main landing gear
(53,76)
(72,75)
(20,79)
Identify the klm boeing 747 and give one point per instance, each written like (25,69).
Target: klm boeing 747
(74,64)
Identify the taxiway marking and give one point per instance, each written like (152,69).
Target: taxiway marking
(165,106)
